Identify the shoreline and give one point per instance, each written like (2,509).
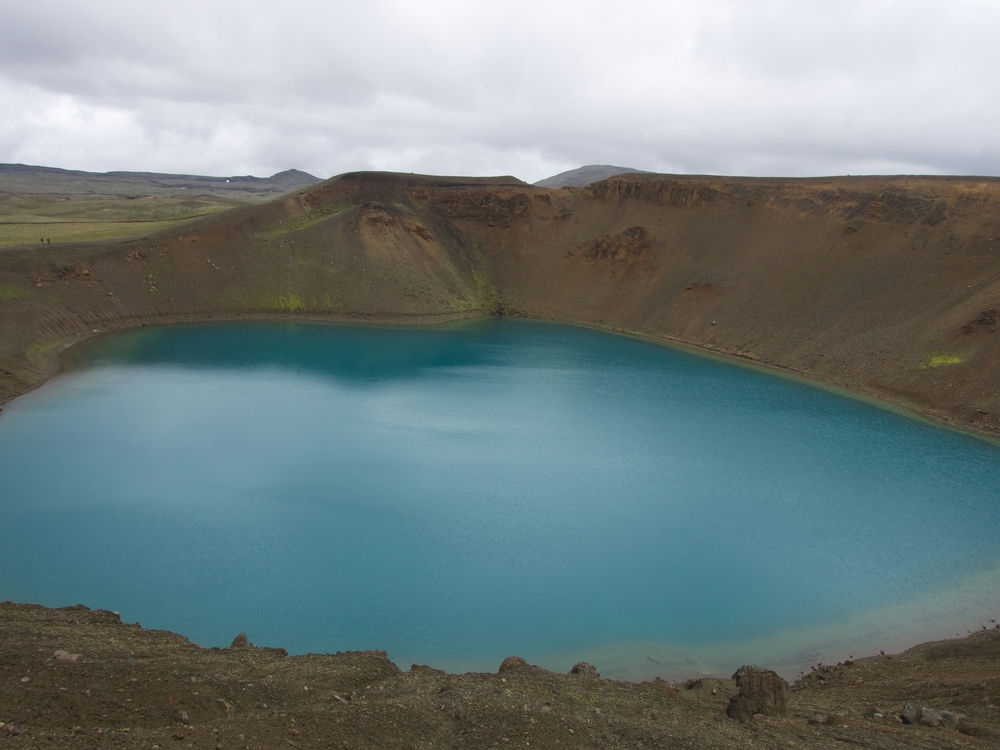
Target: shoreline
(75,677)
(791,653)
(57,360)
(682,667)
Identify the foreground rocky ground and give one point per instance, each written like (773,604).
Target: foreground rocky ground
(81,678)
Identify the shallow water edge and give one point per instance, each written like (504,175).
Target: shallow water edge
(60,355)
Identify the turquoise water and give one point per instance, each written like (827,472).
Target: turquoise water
(458,495)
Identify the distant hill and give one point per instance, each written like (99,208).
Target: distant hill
(26,179)
(584,176)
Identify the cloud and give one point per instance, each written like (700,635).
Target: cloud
(520,88)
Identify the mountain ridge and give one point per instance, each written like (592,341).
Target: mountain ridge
(32,179)
(585,175)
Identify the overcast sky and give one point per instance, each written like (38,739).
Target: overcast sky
(528,88)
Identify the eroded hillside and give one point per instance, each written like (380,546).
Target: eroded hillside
(887,286)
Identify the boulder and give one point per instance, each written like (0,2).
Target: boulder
(761,691)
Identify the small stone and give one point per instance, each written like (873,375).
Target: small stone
(182,716)
(240,641)
(67,657)
(25,679)
(819,719)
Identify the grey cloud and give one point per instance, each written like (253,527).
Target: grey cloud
(516,87)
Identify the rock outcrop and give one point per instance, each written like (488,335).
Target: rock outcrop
(761,691)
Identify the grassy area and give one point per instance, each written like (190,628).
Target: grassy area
(23,234)
(29,219)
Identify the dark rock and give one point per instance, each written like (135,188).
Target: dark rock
(952,718)
(740,708)
(240,641)
(584,669)
(911,713)
(629,245)
(761,691)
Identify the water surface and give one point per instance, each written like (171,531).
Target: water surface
(458,495)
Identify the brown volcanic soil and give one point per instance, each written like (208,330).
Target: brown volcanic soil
(80,678)
(856,282)
(886,286)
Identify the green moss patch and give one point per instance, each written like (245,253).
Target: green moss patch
(939,359)
(287,302)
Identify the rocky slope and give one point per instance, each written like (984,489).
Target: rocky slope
(83,679)
(885,286)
